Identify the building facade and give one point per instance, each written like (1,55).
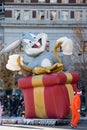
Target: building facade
(57,18)
(2,10)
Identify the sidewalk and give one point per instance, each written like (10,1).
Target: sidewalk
(50,122)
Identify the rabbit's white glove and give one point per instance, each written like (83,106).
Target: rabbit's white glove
(12,63)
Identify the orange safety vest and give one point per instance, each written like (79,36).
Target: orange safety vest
(76,102)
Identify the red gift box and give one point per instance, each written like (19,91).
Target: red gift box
(48,95)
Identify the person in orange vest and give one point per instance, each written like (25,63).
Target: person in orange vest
(75,108)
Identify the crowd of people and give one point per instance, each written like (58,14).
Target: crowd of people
(12,105)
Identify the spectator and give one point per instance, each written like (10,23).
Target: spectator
(13,105)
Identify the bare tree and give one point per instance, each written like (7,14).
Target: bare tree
(6,75)
(80,57)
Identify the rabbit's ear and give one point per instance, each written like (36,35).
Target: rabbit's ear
(10,47)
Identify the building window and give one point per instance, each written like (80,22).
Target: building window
(53,15)
(79,1)
(65,15)
(64,1)
(17,14)
(26,1)
(8,13)
(47,1)
(33,14)
(53,1)
(41,1)
(78,15)
(17,1)
(41,15)
(6,0)
(59,1)
(72,1)
(26,15)
(83,46)
(72,15)
(34,1)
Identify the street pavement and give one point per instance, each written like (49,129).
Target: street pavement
(17,123)
(81,126)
